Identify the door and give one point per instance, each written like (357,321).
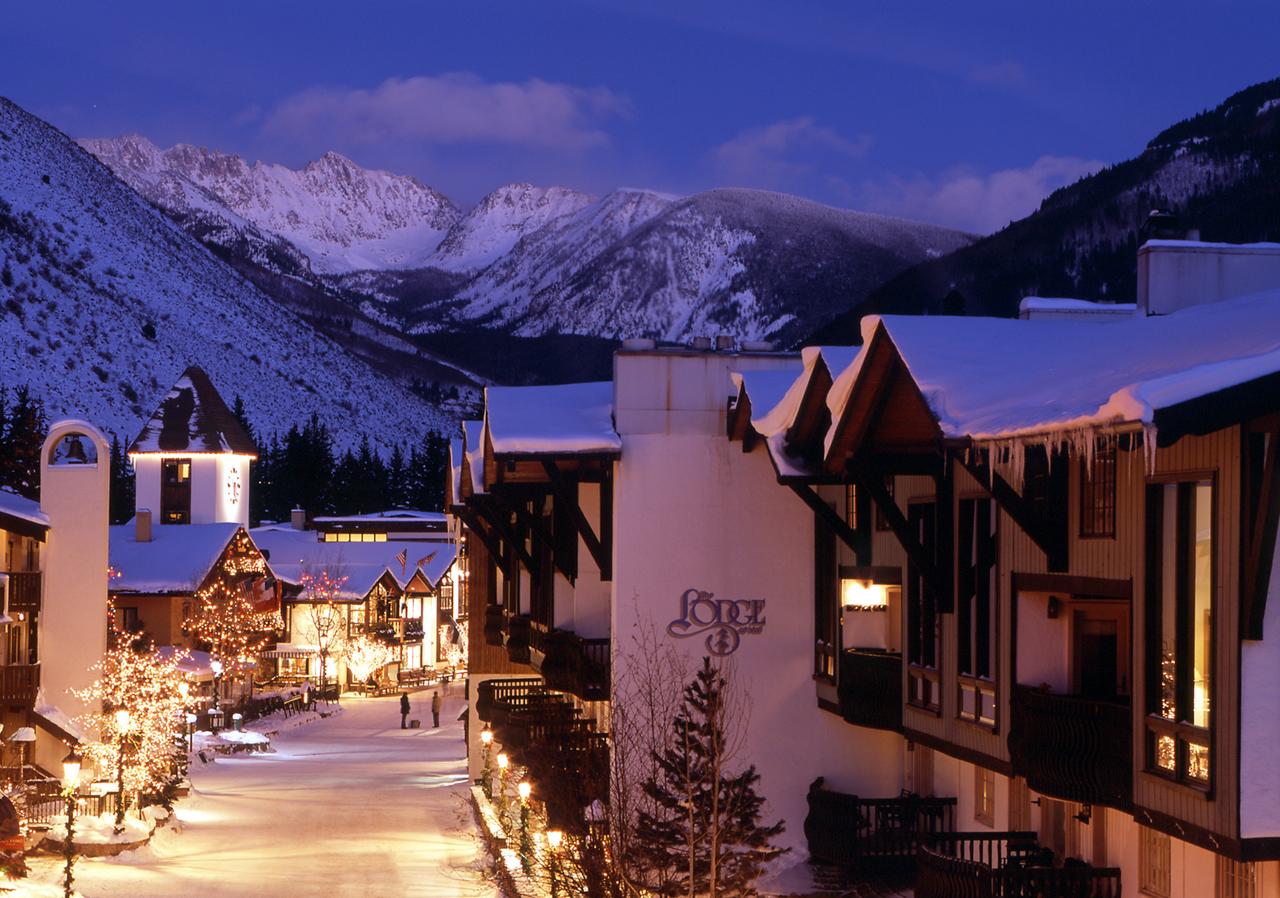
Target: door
(1100,650)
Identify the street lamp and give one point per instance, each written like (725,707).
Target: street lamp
(553,846)
(503,761)
(191,726)
(70,777)
(216,666)
(122,724)
(486,739)
(524,789)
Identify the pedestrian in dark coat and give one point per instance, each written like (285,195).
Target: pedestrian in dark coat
(404,710)
(435,709)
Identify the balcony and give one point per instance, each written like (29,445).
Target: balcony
(413,631)
(873,835)
(1072,747)
(519,631)
(870,688)
(576,665)
(495,624)
(18,684)
(1005,865)
(24,591)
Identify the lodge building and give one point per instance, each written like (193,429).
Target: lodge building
(1000,587)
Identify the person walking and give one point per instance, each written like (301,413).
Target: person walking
(404,710)
(435,709)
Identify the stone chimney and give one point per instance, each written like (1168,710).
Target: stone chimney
(298,519)
(142,525)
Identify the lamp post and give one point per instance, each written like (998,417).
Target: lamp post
(486,739)
(553,847)
(503,762)
(70,776)
(216,666)
(122,724)
(525,790)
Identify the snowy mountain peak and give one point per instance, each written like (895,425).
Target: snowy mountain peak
(498,222)
(341,216)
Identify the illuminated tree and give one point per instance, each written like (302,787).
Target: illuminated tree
(327,620)
(366,654)
(144,743)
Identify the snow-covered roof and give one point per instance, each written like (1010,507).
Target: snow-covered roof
(59,719)
(177,559)
(295,552)
(193,418)
(190,662)
(993,378)
(561,419)
(1067,304)
(473,434)
(456,459)
(20,507)
(395,514)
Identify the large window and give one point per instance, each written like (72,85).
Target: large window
(976,609)
(984,795)
(923,621)
(1180,605)
(1236,879)
(1098,493)
(175,491)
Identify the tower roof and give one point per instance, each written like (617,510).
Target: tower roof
(193,418)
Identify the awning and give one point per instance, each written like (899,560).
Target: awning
(289,650)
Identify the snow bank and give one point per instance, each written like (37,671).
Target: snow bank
(100,830)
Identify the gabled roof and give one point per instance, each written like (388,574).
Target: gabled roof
(456,460)
(566,419)
(473,447)
(193,418)
(18,514)
(177,559)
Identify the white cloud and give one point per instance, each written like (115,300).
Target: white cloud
(976,202)
(451,109)
(778,156)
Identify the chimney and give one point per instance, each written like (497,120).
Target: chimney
(298,519)
(142,525)
(1176,274)
(700,344)
(724,343)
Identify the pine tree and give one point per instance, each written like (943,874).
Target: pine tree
(706,837)
(24,429)
(122,484)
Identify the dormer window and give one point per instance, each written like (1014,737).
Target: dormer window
(175,491)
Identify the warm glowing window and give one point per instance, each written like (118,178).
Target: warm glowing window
(851,505)
(1180,593)
(175,491)
(984,796)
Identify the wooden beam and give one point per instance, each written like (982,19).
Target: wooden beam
(606,524)
(589,538)
(945,536)
(498,514)
(873,483)
(1051,537)
(476,526)
(538,527)
(1259,542)
(858,542)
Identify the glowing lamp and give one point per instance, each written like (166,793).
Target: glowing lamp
(216,666)
(503,760)
(524,789)
(486,736)
(191,718)
(554,836)
(859,594)
(184,689)
(70,770)
(123,721)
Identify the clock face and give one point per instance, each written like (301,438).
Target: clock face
(233,486)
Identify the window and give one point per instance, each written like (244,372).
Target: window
(1179,594)
(1019,805)
(1098,494)
(175,491)
(128,621)
(976,609)
(882,522)
(1236,879)
(826,603)
(984,796)
(923,621)
(851,505)
(1153,863)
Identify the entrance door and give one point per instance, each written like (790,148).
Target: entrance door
(1100,650)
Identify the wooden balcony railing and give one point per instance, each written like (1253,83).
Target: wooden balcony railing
(495,624)
(870,688)
(497,698)
(580,666)
(873,834)
(19,683)
(519,628)
(24,591)
(1005,865)
(1072,747)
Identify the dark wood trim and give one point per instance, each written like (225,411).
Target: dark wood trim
(884,575)
(594,544)
(496,511)
(804,439)
(1218,410)
(945,536)
(1052,538)
(1072,585)
(1258,536)
(873,483)
(537,526)
(1204,838)
(856,541)
(830,707)
(960,752)
(606,525)
(23,527)
(476,525)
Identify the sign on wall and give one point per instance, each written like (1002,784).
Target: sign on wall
(723,621)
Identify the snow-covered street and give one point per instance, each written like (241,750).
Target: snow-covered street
(347,807)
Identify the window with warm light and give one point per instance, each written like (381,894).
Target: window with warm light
(175,491)
(1181,541)
(858,594)
(984,796)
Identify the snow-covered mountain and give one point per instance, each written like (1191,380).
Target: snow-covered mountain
(104,301)
(340,216)
(498,221)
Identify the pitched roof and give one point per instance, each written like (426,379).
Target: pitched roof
(20,514)
(177,559)
(193,418)
(552,420)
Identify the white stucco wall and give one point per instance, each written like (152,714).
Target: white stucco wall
(210,497)
(1260,721)
(1043,643)
(693,511)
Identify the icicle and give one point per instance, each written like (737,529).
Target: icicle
(1149,446)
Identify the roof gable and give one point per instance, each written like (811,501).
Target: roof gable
(193,418)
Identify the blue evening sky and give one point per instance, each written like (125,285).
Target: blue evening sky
(961,113)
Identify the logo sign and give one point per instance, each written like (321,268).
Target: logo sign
(724,621)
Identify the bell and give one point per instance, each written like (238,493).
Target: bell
(75,451)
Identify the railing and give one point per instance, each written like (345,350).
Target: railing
(413,631)
(496,698)
(1071,747)
(580,666)
(824,660)
(19,683)
(495,624)
(1005,865)
(24,591)
(870,688)
(873,834)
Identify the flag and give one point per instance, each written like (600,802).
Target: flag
(403,557)
(423,560)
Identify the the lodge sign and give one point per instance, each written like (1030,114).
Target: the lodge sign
(724,621)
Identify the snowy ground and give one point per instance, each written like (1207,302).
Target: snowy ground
(348,806)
